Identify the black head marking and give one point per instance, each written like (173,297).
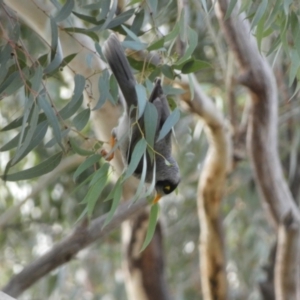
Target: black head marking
(166,186)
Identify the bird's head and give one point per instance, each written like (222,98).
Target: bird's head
(167,178)
(165,187)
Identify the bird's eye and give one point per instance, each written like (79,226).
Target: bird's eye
(167,188)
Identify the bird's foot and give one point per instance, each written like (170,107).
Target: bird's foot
(107,157)
(104,153)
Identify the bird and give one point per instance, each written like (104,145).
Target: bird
(167,175)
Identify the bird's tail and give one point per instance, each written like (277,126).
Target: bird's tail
(120,67)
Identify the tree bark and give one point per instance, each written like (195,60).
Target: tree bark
(257,75)
(145,270)
(287,260)
(210,193)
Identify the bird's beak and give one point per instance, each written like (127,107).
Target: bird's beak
(157,198)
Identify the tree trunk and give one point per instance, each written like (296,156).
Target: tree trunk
(145,278)
(257,75)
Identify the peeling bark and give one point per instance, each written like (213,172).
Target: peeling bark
(209,196)
(287,260)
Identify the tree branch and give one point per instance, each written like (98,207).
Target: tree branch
(287,260)
(66,249)
(262,130)
(5,297)
(210,192)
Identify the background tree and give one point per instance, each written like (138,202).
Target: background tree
(45,124)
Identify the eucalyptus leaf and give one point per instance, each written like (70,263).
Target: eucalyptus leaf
(104,9)
(153,182)
(77,98)
(82,183)
(99,50)
(5,55)
(153,6)
(131,34)
(54,37)
(116,200)
(87,32)
(79,150)
(156,45)
(67,59)
(100,173)
(113,90)
(51,117)
(173,34)
(28,108)
(39,134)
(167,71)
(230,8)
(94,5)
(108,12)
(150,121)
(138,22)
(86,164)
(81,119)
(194,66)
(170,90)
(13,82)
(286,6)
(70,109)
(43,59)
(120,19)
(36,81)
(294,66)
(28,136)
(43,168)
(153,216)
(259,13)
(93,195)
(169,123)
(204,5)
(141,185)
(141,65)
(138,46)
(136,156)
(193,41)
(55,61)
(260,31)
(142,98)
(65,11)
(86,18)
(53,141)
(103,87)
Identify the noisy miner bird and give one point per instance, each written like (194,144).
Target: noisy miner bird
(167,176)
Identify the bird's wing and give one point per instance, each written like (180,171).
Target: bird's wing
(159,99)
(120,67)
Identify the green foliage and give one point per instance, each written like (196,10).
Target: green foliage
(40,169)
(36,124)
(151,226)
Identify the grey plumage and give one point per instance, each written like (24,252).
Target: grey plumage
(165,175)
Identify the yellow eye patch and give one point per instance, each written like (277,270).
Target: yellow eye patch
(167,187)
